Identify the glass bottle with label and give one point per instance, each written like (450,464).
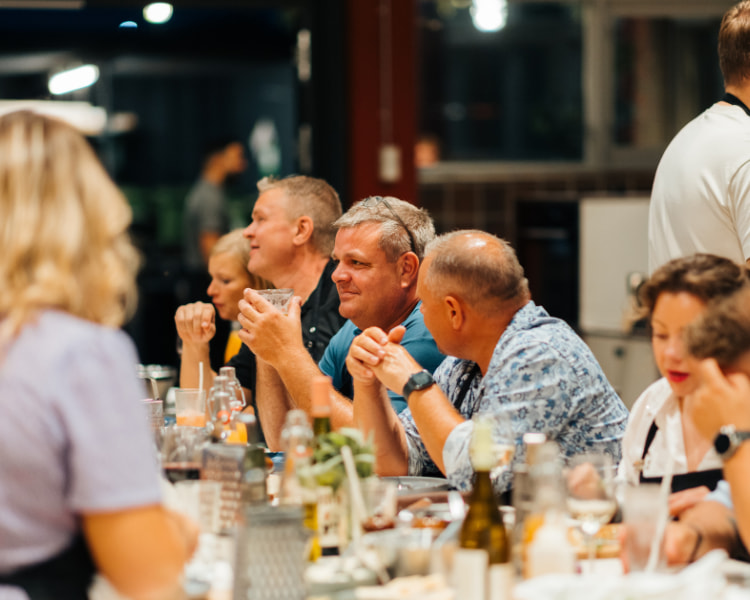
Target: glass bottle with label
(482,568)
(297,483)
(547,548)
(253,488)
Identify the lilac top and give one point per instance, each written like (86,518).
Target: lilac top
(74,436)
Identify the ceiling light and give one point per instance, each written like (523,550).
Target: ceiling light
(128,25)
(489,15)
(73,79)
(158,12)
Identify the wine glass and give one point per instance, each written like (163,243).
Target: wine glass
(591,499)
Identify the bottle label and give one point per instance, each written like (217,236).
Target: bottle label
(328,517)
(470,574)
(253,487)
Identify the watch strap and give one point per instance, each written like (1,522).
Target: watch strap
(731,438)
(418,381)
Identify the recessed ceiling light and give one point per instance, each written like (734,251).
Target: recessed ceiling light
(128,25)
(158,12)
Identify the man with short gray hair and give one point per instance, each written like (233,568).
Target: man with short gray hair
(511,358)
(378,250)
(291,236)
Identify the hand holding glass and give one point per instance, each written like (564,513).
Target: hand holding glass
(280,298)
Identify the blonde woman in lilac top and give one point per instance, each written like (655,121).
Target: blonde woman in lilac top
(79,484)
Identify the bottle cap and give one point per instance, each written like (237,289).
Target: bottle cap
(533,441)
(228,372)
(321,398)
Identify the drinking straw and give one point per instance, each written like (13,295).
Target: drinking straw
(358,513)
(662,517)
(355,489)
(200,375)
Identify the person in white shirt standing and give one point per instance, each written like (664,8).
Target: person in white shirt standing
(700,201)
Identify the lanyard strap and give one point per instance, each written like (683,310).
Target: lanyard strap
(466,386)
(732,99)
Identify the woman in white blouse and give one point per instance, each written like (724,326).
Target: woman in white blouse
(659,438)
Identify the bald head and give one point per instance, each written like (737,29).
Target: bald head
(477,267)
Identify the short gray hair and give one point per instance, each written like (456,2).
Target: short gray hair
(394,235)
(487,277)
(311,197)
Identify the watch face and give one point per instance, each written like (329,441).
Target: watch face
(721,443)
(421,380)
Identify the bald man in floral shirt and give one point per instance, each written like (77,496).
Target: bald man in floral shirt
(511,358)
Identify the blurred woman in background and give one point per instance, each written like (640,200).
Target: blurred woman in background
(79,482)
(227,266)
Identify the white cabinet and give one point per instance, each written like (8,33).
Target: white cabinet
(614,247)
(627,361)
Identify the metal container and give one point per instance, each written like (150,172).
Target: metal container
(158,379)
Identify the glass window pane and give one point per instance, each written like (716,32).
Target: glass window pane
(666,73)
(514,94)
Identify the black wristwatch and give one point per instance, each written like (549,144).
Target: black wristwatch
(418,381)
(728,440)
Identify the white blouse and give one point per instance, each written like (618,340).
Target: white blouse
(657,404)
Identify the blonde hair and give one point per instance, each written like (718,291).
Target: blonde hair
(63,231)
(734,39)
(237,246)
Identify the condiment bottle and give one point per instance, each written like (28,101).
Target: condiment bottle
(297,483)
(546,494)
(328,514)
(482,568)
(253,488)
(523,494)
(321,405)
(234,387)
(547,548)
(551,550)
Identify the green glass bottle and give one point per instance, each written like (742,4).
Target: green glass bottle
(482,565)
(253,477)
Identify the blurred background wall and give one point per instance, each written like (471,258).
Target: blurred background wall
(504,116)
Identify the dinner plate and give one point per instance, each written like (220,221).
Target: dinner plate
(411,484)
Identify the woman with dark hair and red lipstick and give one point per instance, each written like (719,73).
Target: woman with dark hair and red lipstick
(658,431)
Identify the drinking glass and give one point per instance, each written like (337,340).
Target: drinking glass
(380,500)
(280,298)
(182,451)
(190,407)
(591,495)
(640,516)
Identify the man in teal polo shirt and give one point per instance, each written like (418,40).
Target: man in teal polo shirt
(379,247)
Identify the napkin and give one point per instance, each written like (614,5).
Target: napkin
(415,587)
(703,579)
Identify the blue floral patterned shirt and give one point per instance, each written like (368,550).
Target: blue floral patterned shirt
(545,378)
